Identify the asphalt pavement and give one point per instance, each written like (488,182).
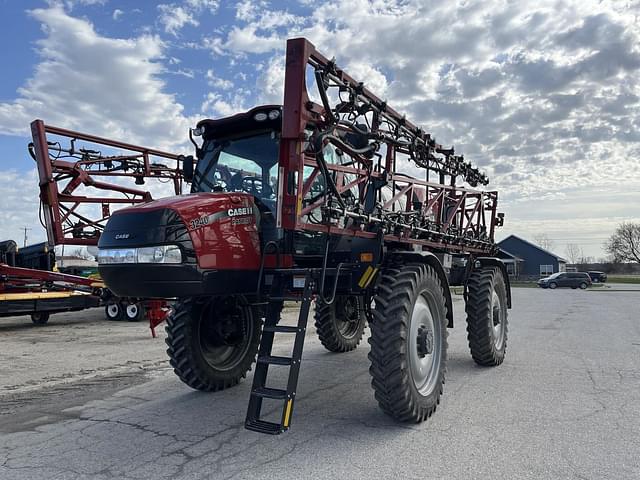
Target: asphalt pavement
(564,405)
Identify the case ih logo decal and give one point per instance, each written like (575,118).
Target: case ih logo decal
(234,212)
(122,236)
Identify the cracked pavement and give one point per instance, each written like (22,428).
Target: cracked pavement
(82,398)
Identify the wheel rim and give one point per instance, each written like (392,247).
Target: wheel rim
(425,346)
(552,286)
(348,316)
(112,310)
(132,310)
(225,330)
(497,320)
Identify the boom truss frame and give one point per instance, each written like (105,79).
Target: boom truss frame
(435,214)
(63,171)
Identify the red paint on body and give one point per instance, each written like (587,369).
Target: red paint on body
(226,242)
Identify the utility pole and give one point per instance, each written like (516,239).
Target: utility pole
(25,235)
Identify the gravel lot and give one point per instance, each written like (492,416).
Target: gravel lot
(86,398)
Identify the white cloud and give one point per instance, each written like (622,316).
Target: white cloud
(71,3)
(249,10)
(117,14)
(200,5)
(270,82)
(174,16)
(215,105)
(246,40)
(88,82)
(373,78)
(216,82)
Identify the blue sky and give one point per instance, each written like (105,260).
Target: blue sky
(544,96)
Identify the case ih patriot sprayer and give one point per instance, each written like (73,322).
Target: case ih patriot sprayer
(313,200)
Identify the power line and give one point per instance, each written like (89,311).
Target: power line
(25,234)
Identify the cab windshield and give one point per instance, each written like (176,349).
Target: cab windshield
(240,164)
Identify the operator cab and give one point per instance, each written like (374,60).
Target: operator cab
(240,154)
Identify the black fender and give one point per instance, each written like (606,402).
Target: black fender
(484,262)
(404,257)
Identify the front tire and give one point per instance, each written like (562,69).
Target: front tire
(486,309)
(340,325)
(409,342)
(553,285)
(583,285)
(212,341)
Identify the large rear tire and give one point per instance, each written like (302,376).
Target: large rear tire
(212,341)
(487,323)
(409,342)
(340,325)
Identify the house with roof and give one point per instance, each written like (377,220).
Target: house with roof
(524,259)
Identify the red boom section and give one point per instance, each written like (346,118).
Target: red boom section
(19,280)
(430,212)
(74,180)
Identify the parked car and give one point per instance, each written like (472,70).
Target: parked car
(597,277)
(566,279)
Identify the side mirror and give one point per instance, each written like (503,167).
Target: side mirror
(187,167)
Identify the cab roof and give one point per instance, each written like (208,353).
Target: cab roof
(241,122)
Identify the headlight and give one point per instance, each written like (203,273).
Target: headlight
(260,117)
(273,114)
(119,255)
(161,254)
(158,254)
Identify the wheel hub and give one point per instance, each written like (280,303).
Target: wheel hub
(347,316)
(425,341)
(132,310)
(425,348)
(225,330)
(497,322)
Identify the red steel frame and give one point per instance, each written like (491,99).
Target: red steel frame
(475,211)
(60,179)
(20,279)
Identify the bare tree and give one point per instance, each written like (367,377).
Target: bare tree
(624,244)
(574,253)
(81,253)
(543,241)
